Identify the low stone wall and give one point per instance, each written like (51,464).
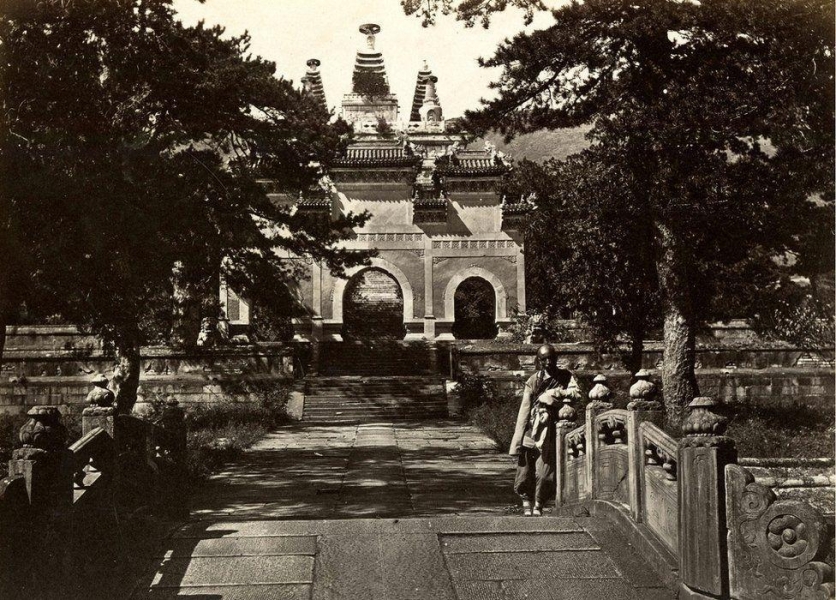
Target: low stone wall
(54,366)
(776,376)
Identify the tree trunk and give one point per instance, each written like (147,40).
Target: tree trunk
(679,383)
(3,321)
(186,310)
(127,377)
(634,359)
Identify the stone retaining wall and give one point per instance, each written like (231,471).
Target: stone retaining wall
(777,376)
(55,365)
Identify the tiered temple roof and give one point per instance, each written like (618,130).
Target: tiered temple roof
(373,156)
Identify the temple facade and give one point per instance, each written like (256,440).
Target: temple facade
(438,222)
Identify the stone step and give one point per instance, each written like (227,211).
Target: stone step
(377,414)
(414,413)
(422,413)
(379,393)
(394,399)
(362,420)
(375,403)
(394,405)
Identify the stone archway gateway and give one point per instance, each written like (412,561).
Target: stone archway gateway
(373,306)
(436,213)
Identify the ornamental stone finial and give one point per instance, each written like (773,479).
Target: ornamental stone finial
(600,392)
(100,395)
(370,30)
(567,413)
(43,432)
(643,393)
(702,421)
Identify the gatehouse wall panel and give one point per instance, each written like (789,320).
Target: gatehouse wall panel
(388,208)
(411,262)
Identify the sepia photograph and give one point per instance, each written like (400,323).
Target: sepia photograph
(417,299)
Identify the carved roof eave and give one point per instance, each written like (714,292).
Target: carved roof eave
(497,171)
(343,164)
(314,204)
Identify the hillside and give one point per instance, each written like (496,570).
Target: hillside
(542,145)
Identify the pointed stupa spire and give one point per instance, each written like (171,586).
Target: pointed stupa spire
(369,60)
(430,109)
(420,90)
(313,82)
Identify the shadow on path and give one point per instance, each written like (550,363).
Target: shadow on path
(375,470)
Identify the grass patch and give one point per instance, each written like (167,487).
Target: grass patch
(497,420)
(493,412)
(220,432)
(759,431)
(773,432)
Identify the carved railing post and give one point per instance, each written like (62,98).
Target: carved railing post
(599,397)
(567,416)
(773,543)
(643,406)
(100,411)
(43,463)
(40,459)
(703,455)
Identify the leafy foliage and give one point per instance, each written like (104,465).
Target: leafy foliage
(711,157)
(370,84)
(549,323)
(469,11)
(130,142)
(589,250)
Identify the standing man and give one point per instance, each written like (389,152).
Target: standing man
(534,435)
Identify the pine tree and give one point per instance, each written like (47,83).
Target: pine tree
(719,117)
(133,150)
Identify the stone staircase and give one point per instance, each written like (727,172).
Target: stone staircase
(362,382)
(377,358)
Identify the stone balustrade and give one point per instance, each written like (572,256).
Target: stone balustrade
(687,504)
(58,503)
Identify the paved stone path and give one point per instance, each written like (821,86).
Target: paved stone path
(375,470)
(444,558)
(289,521)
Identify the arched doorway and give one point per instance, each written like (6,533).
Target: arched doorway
(475,310)
(373,306)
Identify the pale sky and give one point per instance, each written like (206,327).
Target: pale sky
(289,32)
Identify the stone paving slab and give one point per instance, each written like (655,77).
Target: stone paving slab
(446,524)
(240,546)
(451,557)
(228,570)
(549,589)
(384,469)
(381,567)
(545,565)
(516,542)
(231,592)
